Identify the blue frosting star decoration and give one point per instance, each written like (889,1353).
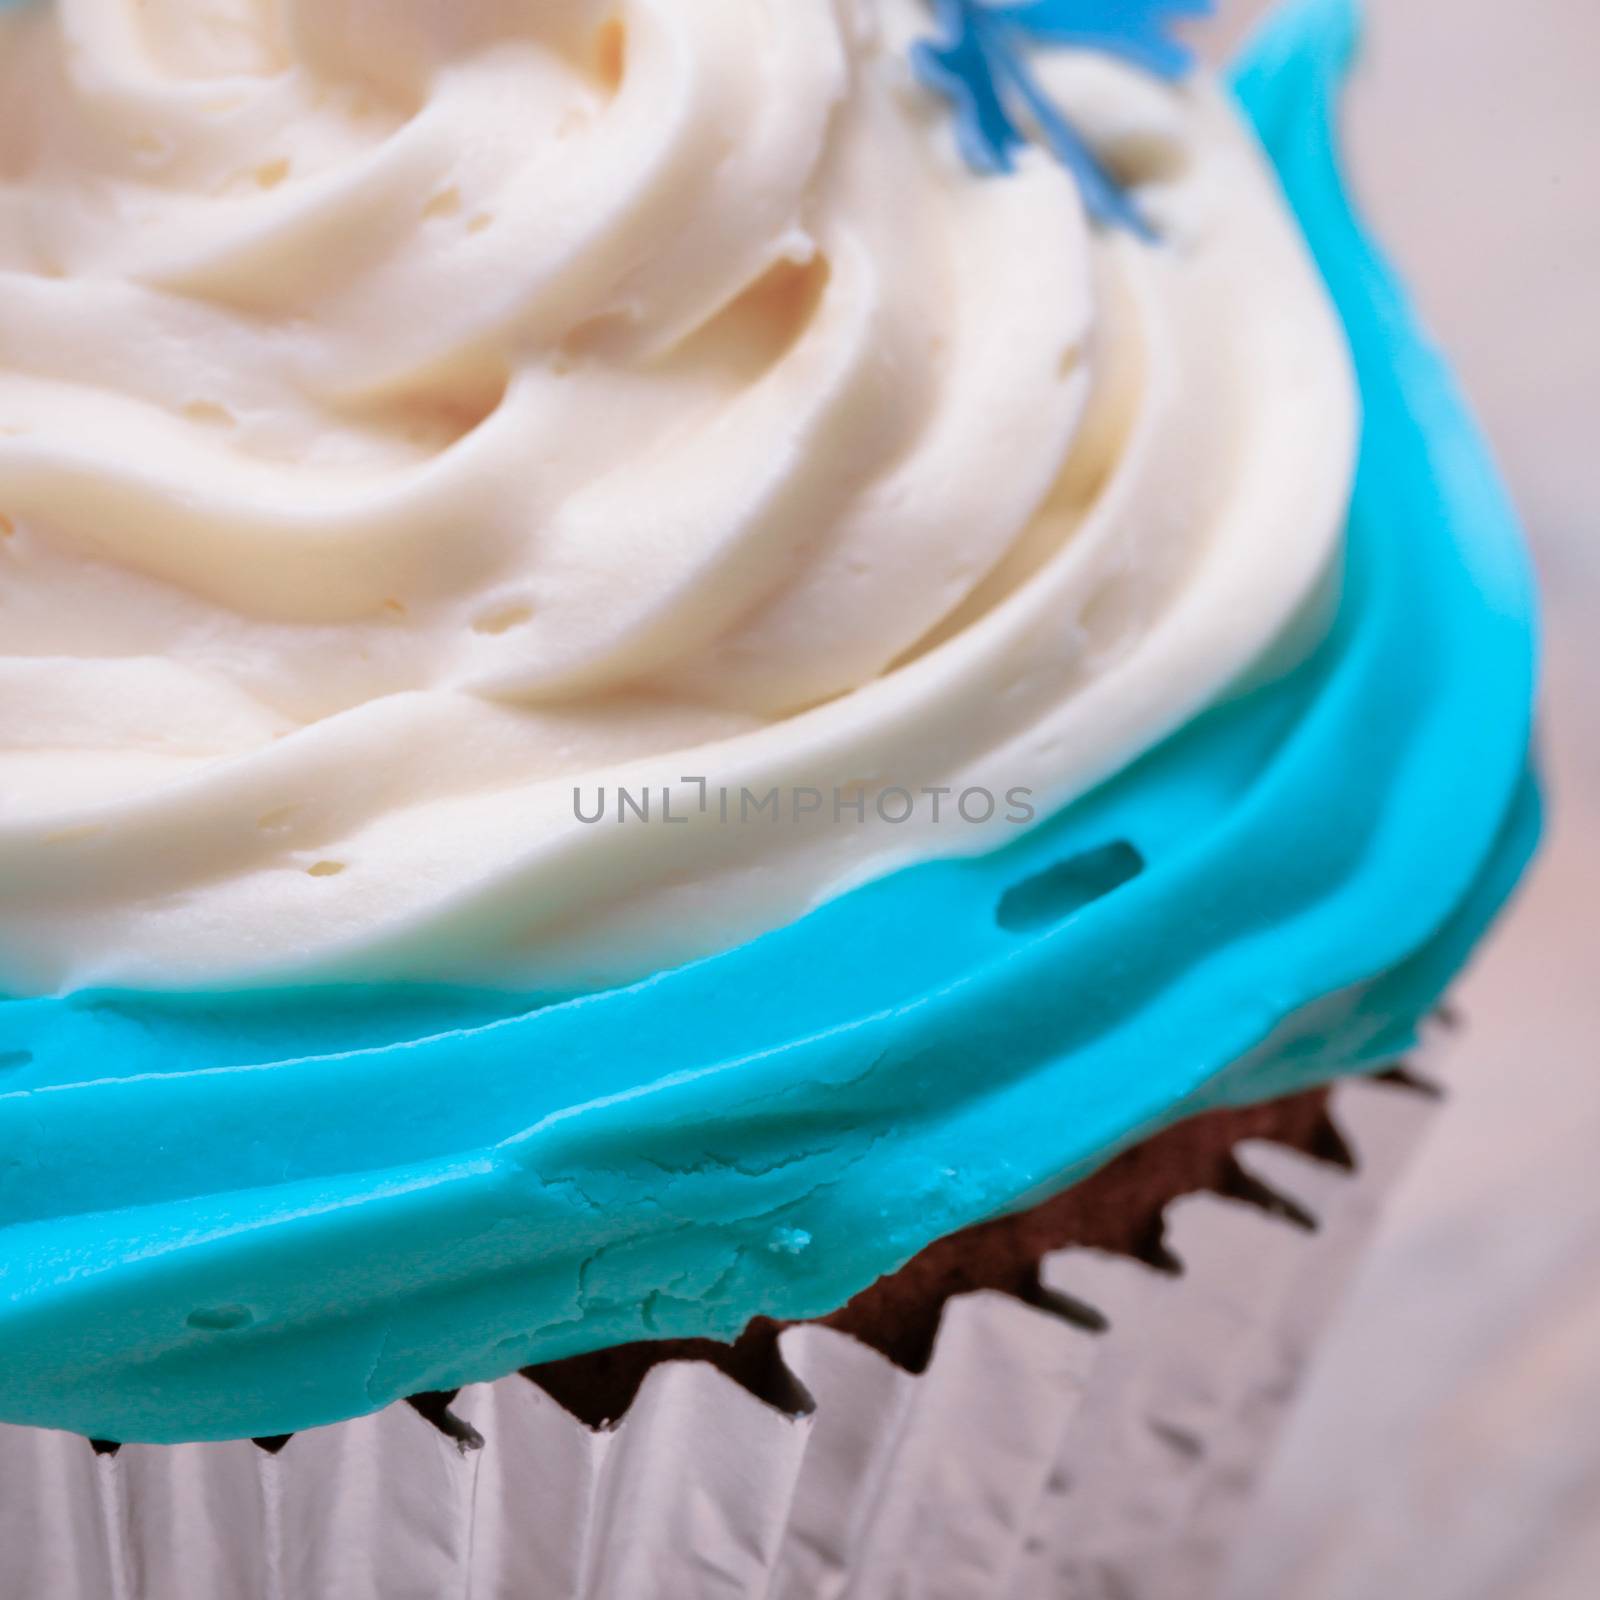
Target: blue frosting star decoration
(980,64)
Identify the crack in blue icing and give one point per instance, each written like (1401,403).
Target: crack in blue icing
(246,1214)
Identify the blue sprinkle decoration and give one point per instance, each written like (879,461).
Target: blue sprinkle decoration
(979,63)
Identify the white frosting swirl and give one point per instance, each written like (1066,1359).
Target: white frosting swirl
(414,410)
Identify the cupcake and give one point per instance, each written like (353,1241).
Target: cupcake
(738,744)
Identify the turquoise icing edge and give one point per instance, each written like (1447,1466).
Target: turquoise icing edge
(235,1215)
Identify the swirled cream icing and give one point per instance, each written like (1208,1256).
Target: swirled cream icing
(423,421)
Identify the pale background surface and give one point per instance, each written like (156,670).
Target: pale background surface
(1450,1444)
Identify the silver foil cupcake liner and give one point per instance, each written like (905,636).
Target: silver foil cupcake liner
(1100,1449)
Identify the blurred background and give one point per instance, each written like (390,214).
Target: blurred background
(1450,1444)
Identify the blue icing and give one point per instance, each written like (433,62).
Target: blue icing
(245,1214)
(979,63)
